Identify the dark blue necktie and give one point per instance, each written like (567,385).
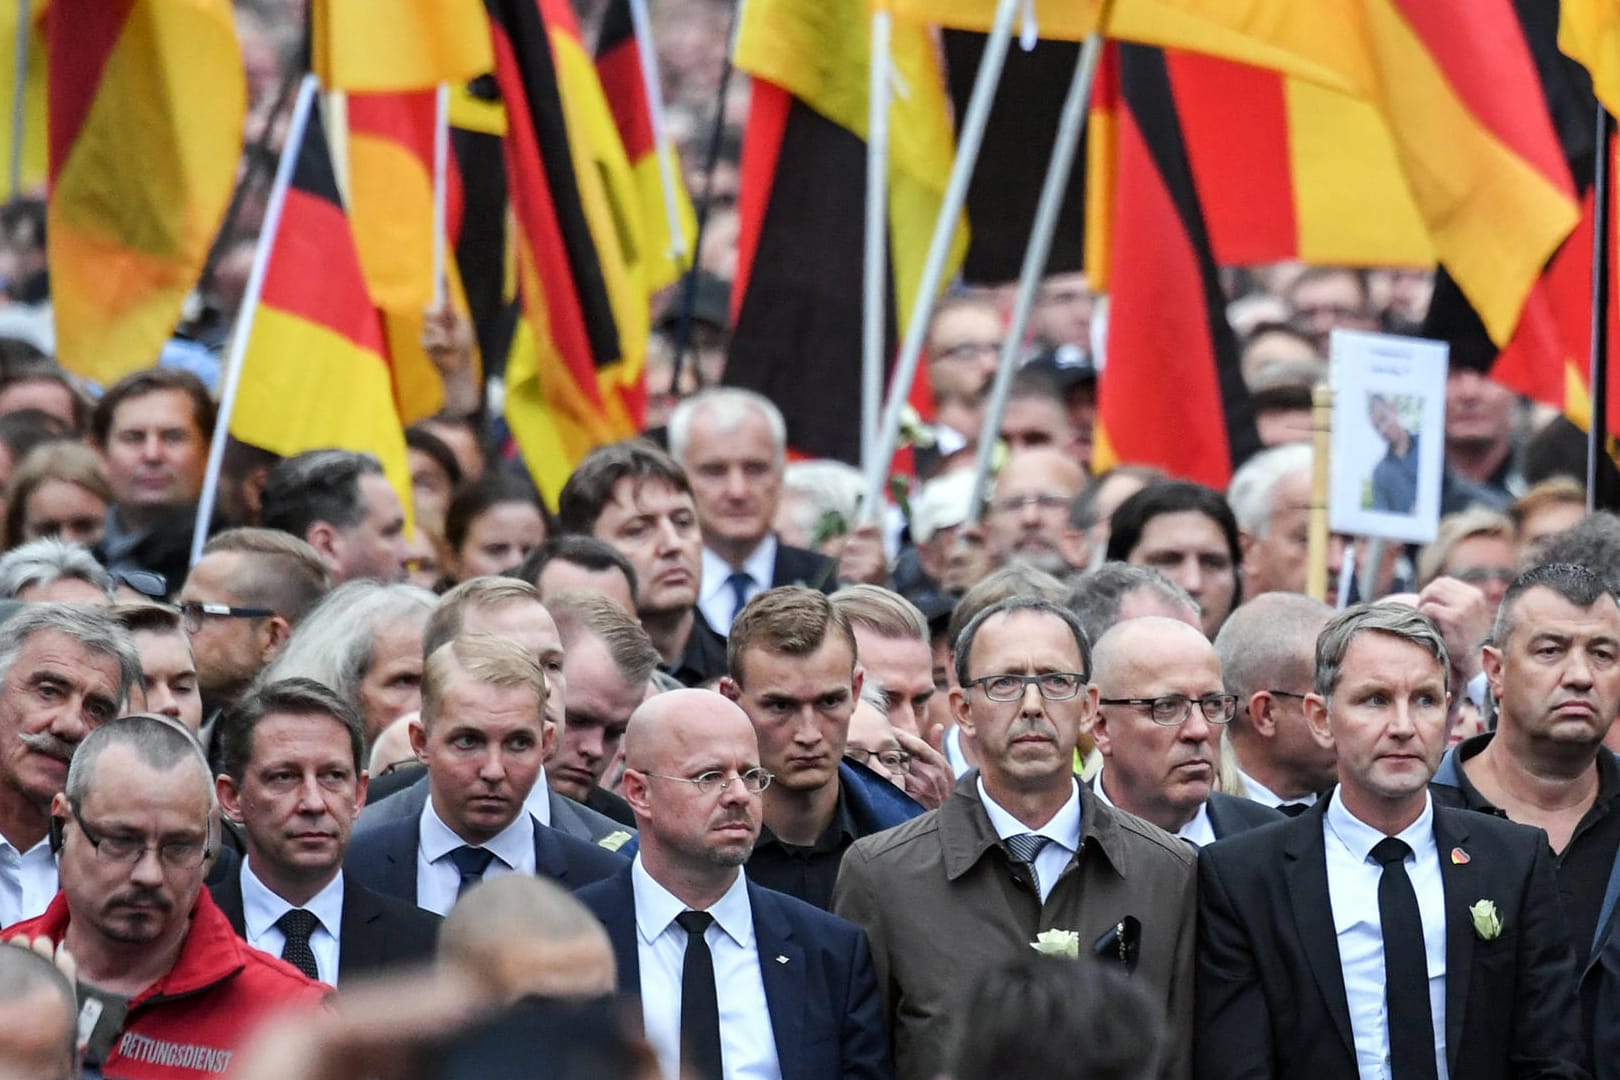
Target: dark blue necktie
(471,862)
(740,584)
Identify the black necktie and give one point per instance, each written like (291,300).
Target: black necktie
(471,862)
(1294,809)
(700,1006)
(1406,967)
(1026,848)
(296,926)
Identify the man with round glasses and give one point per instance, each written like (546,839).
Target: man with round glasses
(169,984)
(1020,848)
(733,978)
(1161,710)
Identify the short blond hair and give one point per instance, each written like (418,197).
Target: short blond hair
(1454,529)
(483,658)
(480,592)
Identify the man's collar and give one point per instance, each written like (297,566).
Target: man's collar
(966,833)
(1063,828)
(1359,838)
(262,906)
(759,565)
(656,907)
(510,845)
(832,838)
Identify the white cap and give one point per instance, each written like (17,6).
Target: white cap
(944,502)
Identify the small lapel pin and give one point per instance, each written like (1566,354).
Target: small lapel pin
(781,959)
(1459,857)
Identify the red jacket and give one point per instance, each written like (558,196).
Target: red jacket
(192,1021)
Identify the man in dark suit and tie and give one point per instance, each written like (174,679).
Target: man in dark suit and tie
(732,443)
(290,754)
(1160,714)
(483,736)
(1380,933)
(734,979)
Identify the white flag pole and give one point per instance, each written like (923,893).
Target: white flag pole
(232,373)
(19,114)
(877,225)
(967,154)
(654,90)
(1070,124)
(441,157)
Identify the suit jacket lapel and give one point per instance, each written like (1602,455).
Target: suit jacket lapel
(549,860)
(620,920)
(781,962)
(228,897)
(399,861)
(1462,889)
(1305,858)
(359,938)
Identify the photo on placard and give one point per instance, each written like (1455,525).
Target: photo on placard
(1388,426)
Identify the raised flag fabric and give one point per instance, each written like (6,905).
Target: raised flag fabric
(383,45)
(1589,31)
(315,373)
(1172,391)
(1456,87)
(158,83)
(618,65)
(1053,19)
(31,167)
(797,294)
(574,375)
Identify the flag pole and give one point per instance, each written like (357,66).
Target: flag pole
(19,114)
(441,159)
(642,24)
(877,225)
(939,247)
(1598,497)
(1071,122)
(232,375)
(1316,536)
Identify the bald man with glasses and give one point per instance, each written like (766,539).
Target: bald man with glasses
(1161,711)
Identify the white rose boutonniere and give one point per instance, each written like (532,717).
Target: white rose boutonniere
(1487,923)
(1063,944)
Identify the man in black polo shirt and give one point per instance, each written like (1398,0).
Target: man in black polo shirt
(1553,663)
(791,655)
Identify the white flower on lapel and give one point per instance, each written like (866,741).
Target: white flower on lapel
(1487,923)
(1063,944)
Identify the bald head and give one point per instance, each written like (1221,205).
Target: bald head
(527,936)
(668,725)
(1147,643)
(1270,643)
(1042,465)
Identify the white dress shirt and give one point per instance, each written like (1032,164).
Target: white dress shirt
(261,908)
(1255,791)
(715,598)
(1063,830)
(437,879)
(1353,878)
(27,881)
(1199,832)
(747,1040)
(539,801)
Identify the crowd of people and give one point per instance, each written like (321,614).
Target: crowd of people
(695,768)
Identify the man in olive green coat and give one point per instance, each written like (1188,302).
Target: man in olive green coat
(1019,849)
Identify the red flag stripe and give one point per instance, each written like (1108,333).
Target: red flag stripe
(762,144)
(80,36)
(316,280)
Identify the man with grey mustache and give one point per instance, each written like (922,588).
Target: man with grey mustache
(64,669)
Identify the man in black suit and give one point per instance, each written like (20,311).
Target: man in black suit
(482,735)
(732,444)
(1160,713)
(1379,932)
(292,778)
(690,931)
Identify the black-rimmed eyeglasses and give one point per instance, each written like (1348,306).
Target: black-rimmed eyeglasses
(193,612)
(1053,685)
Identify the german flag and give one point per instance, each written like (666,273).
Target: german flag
(574,375)
(1172,391)
(390,148)
(1455,85)
(158,83)
(1548,359)
(618,65)
(315,373)
(1589,31)
(387,45)
(796,299)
